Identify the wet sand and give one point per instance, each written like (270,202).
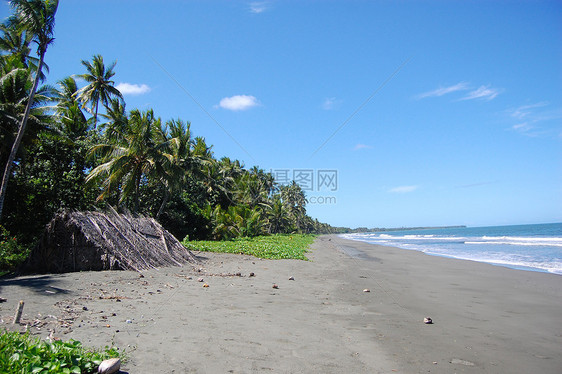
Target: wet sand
(487,319)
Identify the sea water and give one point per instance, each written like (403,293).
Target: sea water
(528,247)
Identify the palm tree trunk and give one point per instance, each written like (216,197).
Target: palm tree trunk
(137,187)
(163,205)
(19,137)
(96,115)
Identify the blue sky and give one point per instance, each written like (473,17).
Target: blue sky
(427,112)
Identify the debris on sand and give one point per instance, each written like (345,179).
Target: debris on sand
(110,366)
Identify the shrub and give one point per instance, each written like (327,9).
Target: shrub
(21,354)
(11,252)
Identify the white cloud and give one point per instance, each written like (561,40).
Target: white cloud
(258,7)
(525,128)
(403,189)
(132,89)
(444,90)
(535,119)
(482,92)
(525,110)
(331,103)
(238,102)
(361,146)
(522,127)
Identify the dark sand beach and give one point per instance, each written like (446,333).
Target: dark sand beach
(487,319)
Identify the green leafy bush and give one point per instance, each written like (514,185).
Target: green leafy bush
(271,247)
(11,252)
(21,354)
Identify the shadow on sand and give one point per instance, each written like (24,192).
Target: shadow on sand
(43,284)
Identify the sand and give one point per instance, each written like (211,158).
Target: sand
(487,319)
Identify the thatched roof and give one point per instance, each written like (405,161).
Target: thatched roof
(77,241)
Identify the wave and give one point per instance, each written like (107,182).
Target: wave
(538,253)
(402,237)
(554,267)
(505,240)
(523,243)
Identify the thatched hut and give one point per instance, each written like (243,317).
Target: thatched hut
(78,241)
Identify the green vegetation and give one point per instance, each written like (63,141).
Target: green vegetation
(22,354)
(11,252)
(272,247)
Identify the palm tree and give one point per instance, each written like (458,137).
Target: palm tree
(134,155)
(278,216)
(118,121)
(14,94)
(179,159)
(100,87)
(71,119)
(201,148)
(295,202)
(37,17)
(15,42)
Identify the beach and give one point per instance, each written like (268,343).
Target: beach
(318,319)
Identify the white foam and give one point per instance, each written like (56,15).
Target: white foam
(544,257)
(550,267)
(517,240)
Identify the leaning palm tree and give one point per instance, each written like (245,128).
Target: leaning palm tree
(100,87)
(38,18)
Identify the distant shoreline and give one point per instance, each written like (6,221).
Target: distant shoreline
(383,229)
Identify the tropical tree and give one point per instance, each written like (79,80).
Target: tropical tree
(100,87)
(14,95)
(15,47)
(71,119)
(36,17)
(249,221)
(129,157)
(295,202)
(118,120)
(254,188)
(218,180)
(278,217)
(201,148)
(178,160)
(235,221)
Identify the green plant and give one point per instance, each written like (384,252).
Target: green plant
(22,354)
(270,247)
(11,252)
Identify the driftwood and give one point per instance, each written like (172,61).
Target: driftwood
(78,241)
(19,310)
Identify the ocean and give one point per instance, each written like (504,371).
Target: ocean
(527,247)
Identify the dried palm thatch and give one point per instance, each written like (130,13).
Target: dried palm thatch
(78,241)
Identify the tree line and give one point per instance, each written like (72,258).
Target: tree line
(66,147)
